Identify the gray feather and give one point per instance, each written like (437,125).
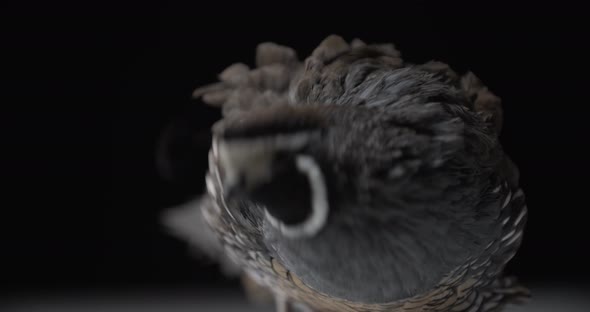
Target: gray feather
(419,186)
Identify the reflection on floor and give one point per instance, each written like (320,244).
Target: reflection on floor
(544,300)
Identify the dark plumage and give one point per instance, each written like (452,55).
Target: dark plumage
(355,182)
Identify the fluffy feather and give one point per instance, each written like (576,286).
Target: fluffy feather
(426,205)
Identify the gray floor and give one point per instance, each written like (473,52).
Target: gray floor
(545,300)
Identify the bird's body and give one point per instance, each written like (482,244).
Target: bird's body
(365,184)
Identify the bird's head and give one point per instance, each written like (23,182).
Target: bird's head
(391,192)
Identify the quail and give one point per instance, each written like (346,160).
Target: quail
(354,181)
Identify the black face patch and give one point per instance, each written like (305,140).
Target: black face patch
(287,197)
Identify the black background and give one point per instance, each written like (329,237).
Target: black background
(91,88)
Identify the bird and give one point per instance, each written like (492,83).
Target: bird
(356,181)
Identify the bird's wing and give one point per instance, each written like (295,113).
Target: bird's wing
(341,73)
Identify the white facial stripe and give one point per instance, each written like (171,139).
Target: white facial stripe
(291,141)
(319,202)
